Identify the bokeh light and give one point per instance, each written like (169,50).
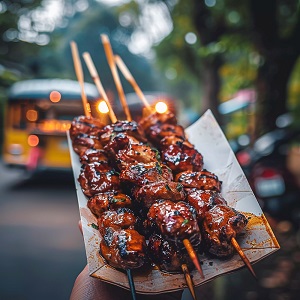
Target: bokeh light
(102,107)
(55,96)
(33,140)
(161,107)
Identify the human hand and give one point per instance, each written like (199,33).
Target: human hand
(90,288)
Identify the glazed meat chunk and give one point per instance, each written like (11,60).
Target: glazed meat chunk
(175,221)
(166,255)
(142,174)
(123,249)
(203,201)
(203,180)
(149,193)
(102,202)
(98,178)
(220,224)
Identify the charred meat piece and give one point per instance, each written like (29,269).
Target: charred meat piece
(122,218)
(159,131)
(149,193)
(86,125)
(131,128)
(157,119)
(166,255)
(204,200)
(142,174)
(180,158)
(220,224)
(136,154)
(203,180)
(175,140)
(98,178)
(92,156)
(82,142)
(100,203)
(176,221)
(119,142)
(123,249)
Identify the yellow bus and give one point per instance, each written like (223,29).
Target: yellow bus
(38,114)
(40,111)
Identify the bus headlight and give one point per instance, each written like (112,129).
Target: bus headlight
(161,107)
(15,149)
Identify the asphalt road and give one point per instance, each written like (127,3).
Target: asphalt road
(41,248)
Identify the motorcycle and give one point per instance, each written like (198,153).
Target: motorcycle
(272,167)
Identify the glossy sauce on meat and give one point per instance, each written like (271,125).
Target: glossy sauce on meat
(203,180)
(92,156)
(149,193)
(102,202)
(86,125)
(98,178)
(122,218)
(175,140)
(166,255)
(157,132)
(142,174)
(204,200)
(136,154)
(131,128)
(119,142)
(157,118)
(83,142)
(124,249)
(175,221)
(180,158)
(220,224)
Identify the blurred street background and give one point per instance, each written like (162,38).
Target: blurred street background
(42,250)
(238,58)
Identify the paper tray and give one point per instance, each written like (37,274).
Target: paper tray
(257,242)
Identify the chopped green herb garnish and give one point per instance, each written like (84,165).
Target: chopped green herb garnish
(179,187)
(95,226)
(168,188)
(115,200)
(184,222)
(158,166)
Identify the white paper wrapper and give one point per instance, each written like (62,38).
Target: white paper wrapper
(257,242)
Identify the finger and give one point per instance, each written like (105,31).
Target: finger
(80,226)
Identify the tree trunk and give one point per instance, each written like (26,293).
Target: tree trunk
(272,89)
(211,86)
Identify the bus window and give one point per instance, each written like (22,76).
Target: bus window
(31,113)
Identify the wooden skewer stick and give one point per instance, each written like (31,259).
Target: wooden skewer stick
(114,71)
(120,63)
(243,256)
(79,75)
(193,255)
(94,74)
(131,284)
(188,280)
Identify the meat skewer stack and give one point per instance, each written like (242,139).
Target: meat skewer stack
(101,185)
(139,167)
(220,223)
(172,212)
(84,133)
(122,246)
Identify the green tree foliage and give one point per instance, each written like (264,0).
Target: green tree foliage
(256,38)
(13,48)
(85,29)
